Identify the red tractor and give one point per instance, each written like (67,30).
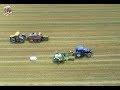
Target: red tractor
(37,37)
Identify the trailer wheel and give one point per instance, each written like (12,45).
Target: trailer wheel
(34,40)
(39,40)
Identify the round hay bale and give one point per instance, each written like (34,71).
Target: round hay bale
(33,58)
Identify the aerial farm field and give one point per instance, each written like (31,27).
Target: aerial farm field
(96,26)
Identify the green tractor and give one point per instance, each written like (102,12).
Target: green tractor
(18,38)
(62,57)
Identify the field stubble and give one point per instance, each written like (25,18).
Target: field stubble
(93,26)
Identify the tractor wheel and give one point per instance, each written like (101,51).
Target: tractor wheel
(21,40)
(12,40)
(88,55)
(78,56)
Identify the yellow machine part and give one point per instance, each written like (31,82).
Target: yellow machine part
(17,33)
(39,33)
(12,35)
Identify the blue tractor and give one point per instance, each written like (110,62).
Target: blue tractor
(81,51)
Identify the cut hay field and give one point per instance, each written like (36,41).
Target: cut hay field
(96,26)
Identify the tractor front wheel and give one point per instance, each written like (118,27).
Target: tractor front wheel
(12,40)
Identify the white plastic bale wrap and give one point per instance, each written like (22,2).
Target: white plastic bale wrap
(33,58)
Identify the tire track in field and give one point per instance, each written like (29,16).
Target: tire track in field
(79,41)
(57,83)
(43,60)
(66,11)
(52,56)
(73,36)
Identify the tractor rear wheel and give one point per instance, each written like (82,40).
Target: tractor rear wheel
(88,55)
(22,40)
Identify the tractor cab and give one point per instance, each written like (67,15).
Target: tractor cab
(81,51)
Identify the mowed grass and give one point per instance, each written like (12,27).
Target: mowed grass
(67,25)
